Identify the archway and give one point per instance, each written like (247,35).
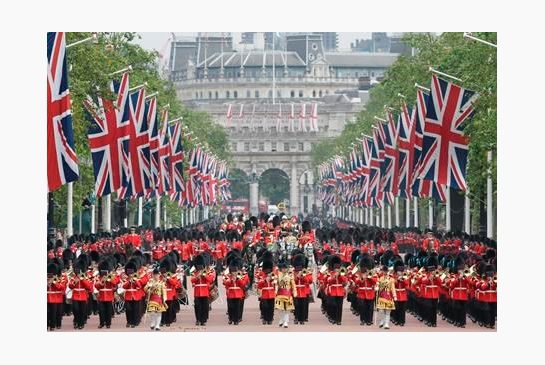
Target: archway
(274,188)
(240,188)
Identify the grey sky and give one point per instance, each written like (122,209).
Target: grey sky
(158,40)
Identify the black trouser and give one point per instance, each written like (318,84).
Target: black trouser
(300,305)
(141,310)
(132,308)
(398,314)
(167,317)
(79,308)
(267,309)
(430,311)
(458,312)
(105,311)
(67,309)
(201,309)
(366,310)
(337,309)
(54,315)
(241,310)
(234,307)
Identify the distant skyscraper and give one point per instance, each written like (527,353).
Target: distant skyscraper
(330,39)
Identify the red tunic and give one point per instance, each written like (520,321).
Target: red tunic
(266,287)
(106,289)
(235,287)
(335,285)
(172,284)
(80,289)
(55,292)
(365,287)
(401,286)
(201,284)
(302,284)
(458,287)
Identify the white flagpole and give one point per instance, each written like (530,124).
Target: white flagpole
(366,216)
(408,212)
(447,213)
(397,211)
(165,215)
(140,211)
(389,217)
(157,211)
(430,214)
(415,203)
(382,221)
(69,210)
(93,219)
(489,202)
(126,218)
(371,216)
(467,207)
(107,224)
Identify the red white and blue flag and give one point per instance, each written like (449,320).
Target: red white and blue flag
(62,162)
(108,136)
(445,146)
(389,166)
(153,133)
(165,169)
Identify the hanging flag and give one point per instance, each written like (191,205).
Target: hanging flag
(365,171)
(153,134)
(62,162)
(240,116)
(376,147)
(389,166)
(279,119)
(314,118)
(445,146)
(138,167)
(422,188)
(165,171)
(405,144)
(229,114)
(177,184)
(109,136)
(302,118)
(292,118)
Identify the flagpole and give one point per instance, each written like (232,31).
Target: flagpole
(430,213)
(107,211)
(467,218)
(389,217)
(447,213)
(165,215)
(415,203)
(382,221)
(126,215)
(69,210)
(489,197)
(157,210)
(397,211)
(140,211)
(370,216)
(93,219)
(408,212)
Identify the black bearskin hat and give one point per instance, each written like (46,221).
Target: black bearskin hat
(298,261)
(334,262)
(355,256)
(229,217)
(276,221)
(53,269)
(306,226)
(367,262)
(267,265)
(398,266)
(198,261)
(130,267)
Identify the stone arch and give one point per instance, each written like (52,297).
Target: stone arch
(239,184)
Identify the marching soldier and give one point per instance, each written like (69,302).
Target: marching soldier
(363,283)
(201,280)
(172,284)
(56,287)
(132,285)
(266,288)
(303,280)
(336,285)
(81,287)
(105,283)
(401,282)
(156,299)
(234,283)
(386,297)
(285,292)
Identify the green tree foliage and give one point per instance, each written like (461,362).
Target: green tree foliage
(89,67)
(473,62)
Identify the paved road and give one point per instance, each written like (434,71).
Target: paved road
(252,323)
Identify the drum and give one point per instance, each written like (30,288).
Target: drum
(214,293)
(68,295)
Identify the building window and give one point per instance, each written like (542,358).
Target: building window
(292,94)
(248,94)
(245,129)
(301,146)
(320,93)
(200,95)
(227,95)
(210,95)
(312,145)
(235,94)
(273,146)
(286,147)
(246,146)
(373,74)
(327,92)
(235,147)
(256,94)
(300,93)
(278,94)
(261,146)
(260,129)
(313,93)
(217,95)
(270,94)
(196,95)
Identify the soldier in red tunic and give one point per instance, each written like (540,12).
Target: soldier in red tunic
(132,285)
(106,284)
(401,283)
(363,283)
(81,287)
(172,285)
(56,287)
(234,283)
(266,288)
(303,279)
(201,280)
(336,283)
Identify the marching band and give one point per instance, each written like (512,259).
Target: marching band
(383,274)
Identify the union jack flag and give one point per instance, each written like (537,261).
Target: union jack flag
(314,118)
(62,162)
(405,144)
(164,152)
(365,171)
(138,167)
(445,146)
(109,135)
(376,148)
(153,132)
(422,188)
(389,166)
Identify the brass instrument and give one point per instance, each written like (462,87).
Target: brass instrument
(134,277)
(305,272)
(53,280)
(342,271)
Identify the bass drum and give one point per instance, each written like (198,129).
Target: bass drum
(214,293)
(119,306)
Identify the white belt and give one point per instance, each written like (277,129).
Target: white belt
(269,287)
(336,285)
(300,286)
(55,292)
(105,290)
(400,289)
(234,287)
(367,287)
(201,284)
(168,289)
(431,286)
(131,289)
(78,289)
